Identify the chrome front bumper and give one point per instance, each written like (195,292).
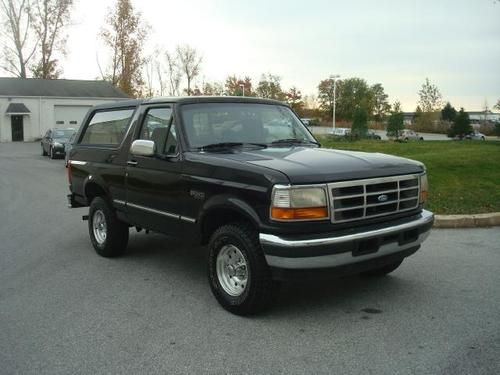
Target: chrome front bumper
(344,249)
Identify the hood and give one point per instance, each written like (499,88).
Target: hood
(305,165)
(61,140)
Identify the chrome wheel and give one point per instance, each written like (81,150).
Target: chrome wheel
(232,270)
(99,227)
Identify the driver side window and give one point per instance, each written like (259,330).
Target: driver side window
(158,127)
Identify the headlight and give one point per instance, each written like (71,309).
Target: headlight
(299,203)
(57,144)
(424,188)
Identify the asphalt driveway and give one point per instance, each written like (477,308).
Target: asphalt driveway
(64,310)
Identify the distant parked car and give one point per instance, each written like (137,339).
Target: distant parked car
(373,135)
(475,135)
(341,132)
(67,148)
(54,141)
(408,135)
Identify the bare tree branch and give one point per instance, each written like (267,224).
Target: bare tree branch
(49,19)
(17,22)
(190,63)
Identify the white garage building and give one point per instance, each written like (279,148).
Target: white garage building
(28,107)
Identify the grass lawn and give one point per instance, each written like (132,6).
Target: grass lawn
(464,176)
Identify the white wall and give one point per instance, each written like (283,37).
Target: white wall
(42,116)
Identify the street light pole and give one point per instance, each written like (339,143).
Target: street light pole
(334,77)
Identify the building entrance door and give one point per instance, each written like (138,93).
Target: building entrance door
(17,128)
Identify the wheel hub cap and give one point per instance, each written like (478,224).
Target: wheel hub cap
(99,227)
(232,271)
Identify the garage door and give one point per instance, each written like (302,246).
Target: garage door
(69,116)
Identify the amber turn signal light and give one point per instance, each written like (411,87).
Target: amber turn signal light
(279,213)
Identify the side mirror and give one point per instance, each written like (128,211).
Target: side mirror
(143,147)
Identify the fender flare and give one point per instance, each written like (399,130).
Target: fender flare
(229,202)
(91,179)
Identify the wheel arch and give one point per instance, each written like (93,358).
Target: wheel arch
(225,209)
(94,188)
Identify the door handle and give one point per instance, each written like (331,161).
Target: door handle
(132,163)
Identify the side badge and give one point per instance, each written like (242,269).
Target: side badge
(199,195)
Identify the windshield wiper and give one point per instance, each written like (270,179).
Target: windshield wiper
(212,146)
(288,141)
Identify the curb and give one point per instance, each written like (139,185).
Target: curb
(467,221)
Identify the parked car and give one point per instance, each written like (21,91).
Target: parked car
(306,121)
(341,132)
(475,135)
(244,177)
(407,135)
(54,141)
(372,135)
(67,148)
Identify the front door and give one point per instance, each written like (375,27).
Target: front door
(153,183)
(17,128)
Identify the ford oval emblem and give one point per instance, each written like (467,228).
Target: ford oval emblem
(382,198)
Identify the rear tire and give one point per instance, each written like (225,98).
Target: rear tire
(238,273)
(108,234)
(382,271)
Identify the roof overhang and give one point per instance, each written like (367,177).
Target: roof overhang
(17,109)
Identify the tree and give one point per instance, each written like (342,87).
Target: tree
(430,97)
(395,122)
(461,125)
(270,87)
(381,106)
(19,46)
(149,71)
(353,93)
(215,88)
(174,74)
(189,63)
(49,20)
(325,96)
(497,106)
(125,34)
(448,113)
(234,86)
(294,99)
(359,122)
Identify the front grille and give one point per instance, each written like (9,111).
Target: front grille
(355,200)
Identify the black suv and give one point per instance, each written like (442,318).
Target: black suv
(245,177)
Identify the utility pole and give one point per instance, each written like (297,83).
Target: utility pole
(334,78)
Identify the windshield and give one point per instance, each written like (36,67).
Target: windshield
(62,133)
(213,123)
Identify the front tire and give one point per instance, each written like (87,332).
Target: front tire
(382,271)
(239,276)
(108,234)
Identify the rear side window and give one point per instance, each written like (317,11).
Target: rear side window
(107,127)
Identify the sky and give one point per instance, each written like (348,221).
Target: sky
(456,44)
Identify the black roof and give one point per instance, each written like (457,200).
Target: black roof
(59,88)
(17,108)
(190,100)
